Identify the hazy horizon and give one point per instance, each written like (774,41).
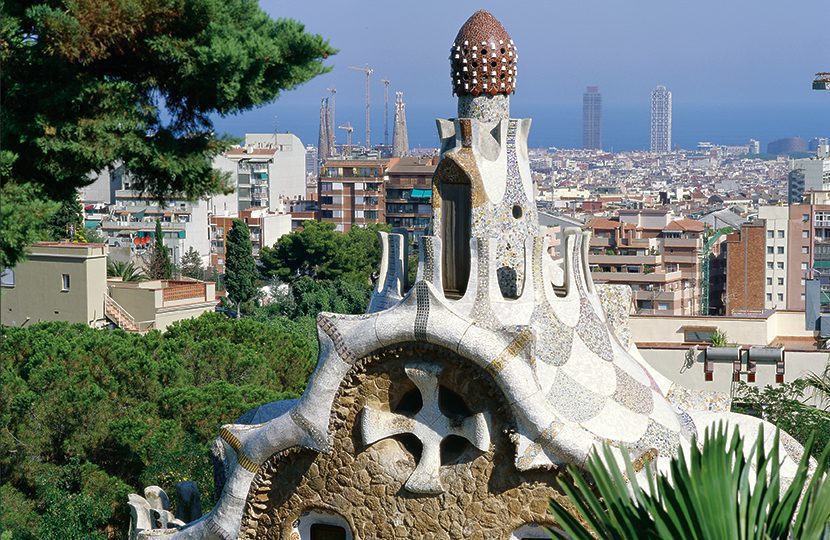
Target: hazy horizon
(736,70)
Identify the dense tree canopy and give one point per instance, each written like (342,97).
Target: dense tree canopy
(318,251)
(86,83)
(87,416)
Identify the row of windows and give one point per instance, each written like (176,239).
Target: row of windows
(805,250)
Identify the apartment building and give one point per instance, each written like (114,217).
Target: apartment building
(265,169)
(776,250)
(63,281)
(351,191)
(655,253)
(408,190)
(746,261)
(265,227)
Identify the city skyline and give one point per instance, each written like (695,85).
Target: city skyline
(770,78)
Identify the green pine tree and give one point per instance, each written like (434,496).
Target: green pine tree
(87,84)
(240,267)
(161,267)
(192,264)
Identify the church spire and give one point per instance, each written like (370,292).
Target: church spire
(324,138)
(400,137)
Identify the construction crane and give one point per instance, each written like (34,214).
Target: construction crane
(368,71)
(333,134)
(385,111)
(348,127)
(822,81)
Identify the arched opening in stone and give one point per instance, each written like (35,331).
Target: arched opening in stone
(456,228)
(319,525)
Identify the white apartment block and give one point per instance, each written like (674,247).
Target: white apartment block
(775,273)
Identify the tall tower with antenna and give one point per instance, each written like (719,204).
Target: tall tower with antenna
(368,72)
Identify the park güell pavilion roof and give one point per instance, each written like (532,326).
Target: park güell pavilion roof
(483,58)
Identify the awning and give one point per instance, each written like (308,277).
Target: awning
(421,193)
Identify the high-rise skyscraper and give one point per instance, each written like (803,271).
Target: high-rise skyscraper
(592,118)
(400,137)
(661,120)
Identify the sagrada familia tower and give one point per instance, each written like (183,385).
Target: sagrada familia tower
(448,410)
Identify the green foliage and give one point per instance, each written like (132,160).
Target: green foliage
(306,297)
(712,494)
(719,339)
(240,268)
(160,267)
(87,415)
(819,384)
(127,271)
(192,264)
(68,221)
(784,405)
(319,252)
(23,211)
(86,84)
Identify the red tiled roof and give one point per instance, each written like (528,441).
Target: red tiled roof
(603,224)
(686,224)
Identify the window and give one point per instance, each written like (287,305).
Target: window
(780,250)
(805,217)
(770,234)
(805,250)
(780,265)
(804,266)
(780,234)
(662,307)
(702,334)
(780,297)
(7,277)
(770,250)
(802,297)
(802,282)
(805,234)
(769,266)
(769,281)
(64,282)
(769,297)
(780,281)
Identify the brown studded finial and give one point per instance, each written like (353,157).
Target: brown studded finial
(483,58)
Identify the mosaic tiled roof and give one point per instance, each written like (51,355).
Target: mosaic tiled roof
(483,58)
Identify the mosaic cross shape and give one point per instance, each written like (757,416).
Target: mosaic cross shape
(430,425)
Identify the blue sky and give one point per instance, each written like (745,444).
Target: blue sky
(728,55)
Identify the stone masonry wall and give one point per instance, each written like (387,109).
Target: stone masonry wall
(485,496)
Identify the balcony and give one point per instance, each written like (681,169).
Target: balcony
(636,242)
(680,259)
(599,241)
(625,259)
(636,277)
(695,243)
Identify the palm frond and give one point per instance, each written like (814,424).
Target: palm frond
(718,490)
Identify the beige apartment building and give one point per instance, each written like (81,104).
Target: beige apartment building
(68,282)
(58,282)
(654,252)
